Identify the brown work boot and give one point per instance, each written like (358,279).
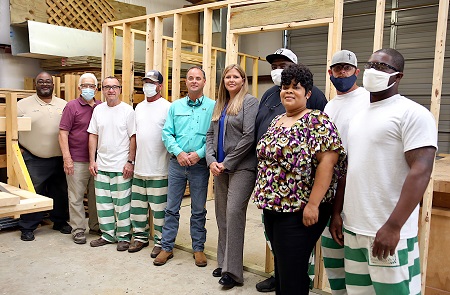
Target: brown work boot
(99,242)
(156,250)
(200,259)
(137,246)
(123,246)
(162,258)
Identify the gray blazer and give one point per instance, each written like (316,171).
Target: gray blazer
(239,138)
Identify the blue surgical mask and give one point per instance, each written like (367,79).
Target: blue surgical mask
(343,84)
(88,93)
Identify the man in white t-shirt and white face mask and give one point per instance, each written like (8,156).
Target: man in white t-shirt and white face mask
(152,163)
(391,147)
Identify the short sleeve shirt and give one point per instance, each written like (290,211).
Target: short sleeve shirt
(287,162)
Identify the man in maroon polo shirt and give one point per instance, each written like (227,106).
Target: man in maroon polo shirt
(73,140)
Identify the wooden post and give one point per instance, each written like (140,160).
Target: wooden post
(207,47)
(57,86)
(176,62)
(212,79)
(255,77)
(108,52)
(12,136)
(439,54)
(165,70)
(243,62)
(379,25)
(157,49)
(149,44)
(334,43)
(232,43)
(127,63)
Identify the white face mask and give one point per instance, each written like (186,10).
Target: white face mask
(149,89)
(276,76)
(376,81)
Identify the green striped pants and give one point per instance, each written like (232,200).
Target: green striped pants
(365,277)
(148,192)
(333,260)
(113,195)
(311,266)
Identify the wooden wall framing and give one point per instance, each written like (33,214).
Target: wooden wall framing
(329,13)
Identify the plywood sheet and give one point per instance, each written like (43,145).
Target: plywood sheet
(278,12)
(23,10)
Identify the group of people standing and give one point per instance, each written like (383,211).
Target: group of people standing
(352,170)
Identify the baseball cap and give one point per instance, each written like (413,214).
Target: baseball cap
(282,53)
(154,75)
(344,57)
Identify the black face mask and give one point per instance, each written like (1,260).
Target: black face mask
(343,84)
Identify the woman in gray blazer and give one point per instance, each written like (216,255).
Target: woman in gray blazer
(230,155)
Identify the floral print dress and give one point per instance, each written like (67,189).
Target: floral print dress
(287,161)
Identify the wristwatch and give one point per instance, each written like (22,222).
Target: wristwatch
(131,162)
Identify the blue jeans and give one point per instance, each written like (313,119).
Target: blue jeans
(198,176)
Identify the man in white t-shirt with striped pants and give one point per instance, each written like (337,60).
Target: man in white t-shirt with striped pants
(152,164)
(391,147)
(112,139)
(350,99)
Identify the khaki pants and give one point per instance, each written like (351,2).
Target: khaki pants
(77,184)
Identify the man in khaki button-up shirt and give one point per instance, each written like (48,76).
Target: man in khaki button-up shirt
(42,155)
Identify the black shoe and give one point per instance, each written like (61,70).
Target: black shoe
(63,228)
(217,272)
(268,285)
(27,236)
(228,282)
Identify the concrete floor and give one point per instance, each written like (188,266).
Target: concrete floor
(53,264)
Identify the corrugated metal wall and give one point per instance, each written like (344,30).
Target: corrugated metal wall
(415,39)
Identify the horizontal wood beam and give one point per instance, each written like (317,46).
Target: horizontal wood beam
(23,124)
(262,14)
(187,10)
(285,26)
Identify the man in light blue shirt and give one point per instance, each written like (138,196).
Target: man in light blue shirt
(184,135)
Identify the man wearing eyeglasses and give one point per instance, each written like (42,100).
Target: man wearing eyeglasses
(73,140)
(151,168)
(42,155)
(112,146)
(270,106)
(184,135)
(349,100)
(391,146)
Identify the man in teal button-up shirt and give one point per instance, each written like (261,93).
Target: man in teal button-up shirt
(184,136)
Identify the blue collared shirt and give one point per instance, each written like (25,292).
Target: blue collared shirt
(186,126)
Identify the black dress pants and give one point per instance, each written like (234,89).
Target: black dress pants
(292,243)
(49,179)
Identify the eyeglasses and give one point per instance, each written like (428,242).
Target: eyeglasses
(340,67)
(109,87)
(379,66)
(42,82)
(91,86)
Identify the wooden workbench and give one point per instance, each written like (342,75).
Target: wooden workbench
(438,270)
(17,201)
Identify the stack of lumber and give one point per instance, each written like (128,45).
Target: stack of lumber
(84,63)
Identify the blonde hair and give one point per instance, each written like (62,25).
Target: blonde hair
(223,97)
